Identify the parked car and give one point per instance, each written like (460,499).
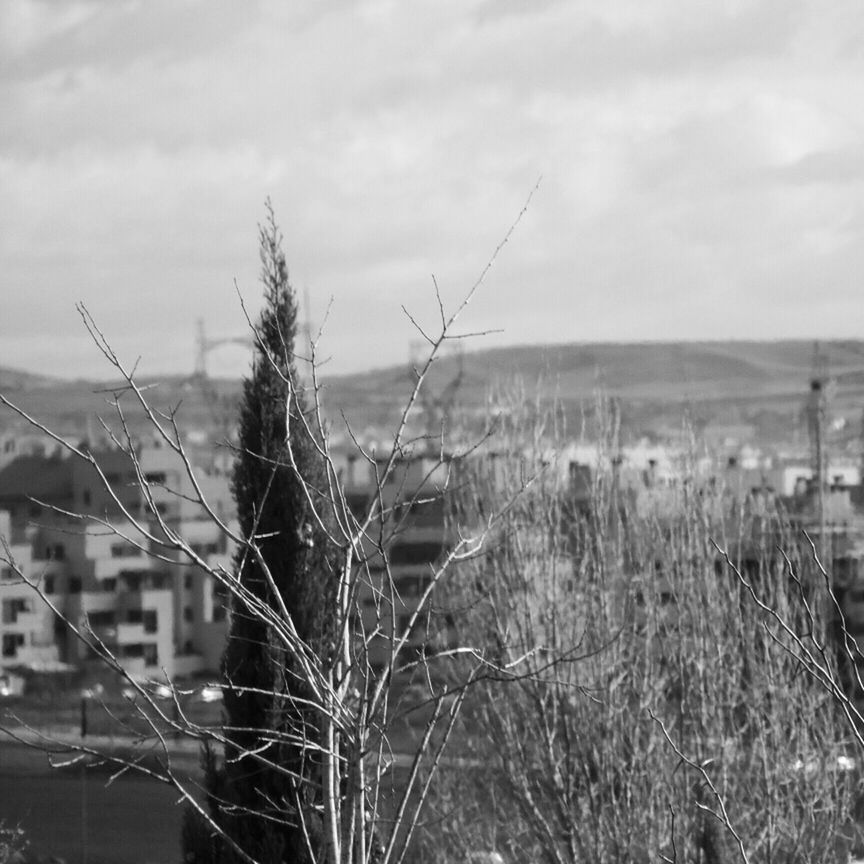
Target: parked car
(210,693)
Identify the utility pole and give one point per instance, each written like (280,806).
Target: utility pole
(200,350)
(816,413)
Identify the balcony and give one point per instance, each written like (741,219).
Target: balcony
(25,622)
(134,667)
(415,553)
(111,568)
(105,633)
(130,633)
(96,601)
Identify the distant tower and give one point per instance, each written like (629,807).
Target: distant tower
(817,409)
(200,350)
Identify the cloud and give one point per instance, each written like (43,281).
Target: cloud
(579,47)
(45,37)
(825,167)
(695,161)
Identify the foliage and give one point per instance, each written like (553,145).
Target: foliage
(13,844)
(322,638)
(253,797)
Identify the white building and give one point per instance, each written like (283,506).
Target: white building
(145,602)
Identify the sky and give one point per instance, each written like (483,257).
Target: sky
(700,168)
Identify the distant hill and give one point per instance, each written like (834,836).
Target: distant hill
(758,383)
(15,379)
(661,370)
(724,382)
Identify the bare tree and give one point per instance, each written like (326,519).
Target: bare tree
(610,685)
(363,800)
(648,708)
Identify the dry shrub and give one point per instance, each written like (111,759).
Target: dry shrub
(648,709)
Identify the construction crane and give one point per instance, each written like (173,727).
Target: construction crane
(222,407)
(204,345)
(221,404)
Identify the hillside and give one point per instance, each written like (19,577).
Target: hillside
(762,385)
(661,371)
(721,384)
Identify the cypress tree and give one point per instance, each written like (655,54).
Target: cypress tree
(256,805)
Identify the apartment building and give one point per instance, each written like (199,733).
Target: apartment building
(414,532)
(26,623)
(141,599)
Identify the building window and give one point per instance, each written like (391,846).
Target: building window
(134,616)
(157,581)
(220,601)
(358,503)
(188,614)
(124,550)
(150,619)
(101,619)
(151,655)
(156,477)
(13,608)
(425,514)
(415,553)
(74,584)
(131,580)
(5,574)
(49,583)
(11,643)
(86,497)
(413,586)
(187,581)
(55,551)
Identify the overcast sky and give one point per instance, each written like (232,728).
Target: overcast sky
(702,170)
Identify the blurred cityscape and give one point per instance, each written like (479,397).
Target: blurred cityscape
(791,439)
